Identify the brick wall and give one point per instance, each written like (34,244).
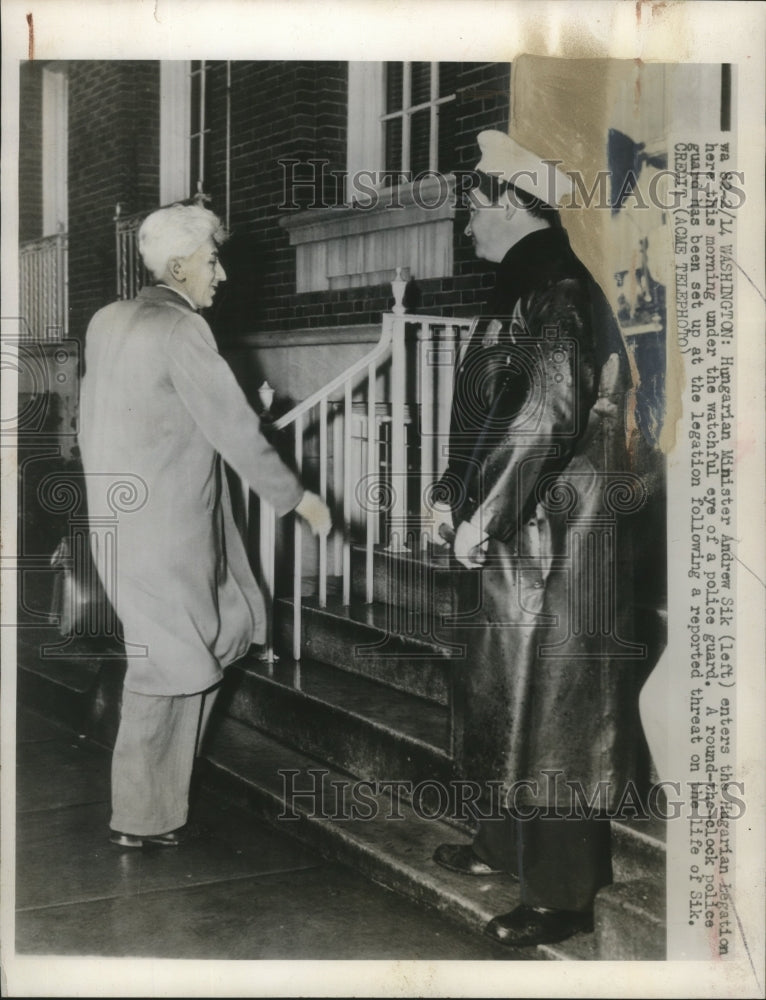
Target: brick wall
(298,111)
(278,111)
(30,151)
(113,157)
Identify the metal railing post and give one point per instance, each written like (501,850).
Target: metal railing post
(297,549)
(43,288)
(323,496)
(372,490)
(267,556)
(426,353)
(398,513)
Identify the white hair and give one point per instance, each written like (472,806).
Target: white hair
(176,231)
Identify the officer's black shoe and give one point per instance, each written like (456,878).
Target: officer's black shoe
(462,858)
(529,925)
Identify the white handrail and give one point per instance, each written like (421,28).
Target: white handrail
(431,391)
(338,382)
(358,367)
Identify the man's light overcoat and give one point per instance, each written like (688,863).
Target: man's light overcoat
(158,402)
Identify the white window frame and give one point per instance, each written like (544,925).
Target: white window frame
(367,117)
(55,147)
(175,127)
(199,129)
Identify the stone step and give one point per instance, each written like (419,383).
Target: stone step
(630,920)
(248,767)
(392,645)
(63,678)
(302,726)
(423,581)
(638,848)
(349,722)
(338,719)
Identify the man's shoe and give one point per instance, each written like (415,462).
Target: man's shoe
(462,858)
(172,839)
(528,925)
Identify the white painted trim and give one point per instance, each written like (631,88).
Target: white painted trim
(365,132)
(175,121)
(55,152)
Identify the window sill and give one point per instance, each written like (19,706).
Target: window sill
(353,246)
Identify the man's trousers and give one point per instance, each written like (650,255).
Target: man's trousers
(560,863)
(153,758)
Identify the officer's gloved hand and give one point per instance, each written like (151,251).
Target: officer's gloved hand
(315,513)
(470,545)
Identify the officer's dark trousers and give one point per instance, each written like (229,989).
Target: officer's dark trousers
(560,863)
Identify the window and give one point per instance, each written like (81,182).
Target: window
(175,117)
(400,130)
(188,118)
(199,130)
(54,153)
(416,95)
(184,130)
(399,122)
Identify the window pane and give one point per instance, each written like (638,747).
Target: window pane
(447,158)
(196,90)
(207,177)
(421,82)
(393,86)
(394,145)
(194,169)
(448,77)
(419,140)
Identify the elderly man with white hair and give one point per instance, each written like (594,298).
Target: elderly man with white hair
(158,402)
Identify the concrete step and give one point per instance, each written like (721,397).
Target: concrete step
(349,722)
(630,920)
(352,723)
(392,645)
(421,580)
(289,726)
(249,767)
(638,848)
(63,677)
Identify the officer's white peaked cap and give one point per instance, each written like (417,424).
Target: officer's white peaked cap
(509,161)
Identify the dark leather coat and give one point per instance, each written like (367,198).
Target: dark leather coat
(538,457)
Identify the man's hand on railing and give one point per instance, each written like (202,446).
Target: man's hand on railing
(470,545)
(315,513)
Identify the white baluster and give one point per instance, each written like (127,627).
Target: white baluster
(323,495)
(398,513)
(444,376)
(372,479)
(267,556)
(338,460)
(245,487)
(298,549)
(427,351)
(347,486)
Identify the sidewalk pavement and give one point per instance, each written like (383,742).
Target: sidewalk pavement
(240,890)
